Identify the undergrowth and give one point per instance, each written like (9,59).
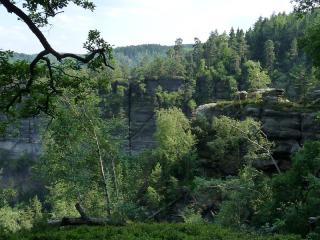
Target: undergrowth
(144,232)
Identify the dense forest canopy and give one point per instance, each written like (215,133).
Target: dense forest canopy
(233,133)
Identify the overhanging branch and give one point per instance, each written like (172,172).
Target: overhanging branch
(12,8)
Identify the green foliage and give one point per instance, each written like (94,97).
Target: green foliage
(41,11)
(20,218)
(255,77)
(9,220)
(224,64)
(230,143)
(284,31)
(167,99)
(269,55)
(244,196)
(191,216)
(74,156)
(296,192)
(82,159)
(171,165)
(147,232)
(162,68)
(311,42)
(173,135)
(11,75)
(152,197)
(304,80)
(6,195)
(132,56)
(61,201)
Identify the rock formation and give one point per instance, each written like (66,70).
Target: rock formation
(287,124)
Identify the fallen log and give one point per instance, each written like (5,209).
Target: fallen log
(67,221)
(84,220)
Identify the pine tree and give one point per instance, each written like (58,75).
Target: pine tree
(269,55)
(242,45)
(233,40)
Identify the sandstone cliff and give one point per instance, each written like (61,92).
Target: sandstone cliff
(287,124)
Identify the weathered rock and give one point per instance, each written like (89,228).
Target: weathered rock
(286,146)
(241,95)
(253,112)
(288,129)
(310,126)
(272,92)
(203,110)
(269,95)
(315,95)
(280,114)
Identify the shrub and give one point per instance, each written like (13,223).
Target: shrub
(295,193)
(191,215)
(146,232)
(22,218)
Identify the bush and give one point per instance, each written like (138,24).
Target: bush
(295,193)
(145,232)
(192,216)
(23,218)
(244,196)
(229,144)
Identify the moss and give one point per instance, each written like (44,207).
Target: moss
(145,232)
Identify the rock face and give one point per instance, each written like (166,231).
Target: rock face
(23,140)
(19,149)
(287,127)
(143,113)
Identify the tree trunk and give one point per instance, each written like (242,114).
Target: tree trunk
(102,172)
(84,220)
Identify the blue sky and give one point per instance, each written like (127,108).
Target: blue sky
(132,22)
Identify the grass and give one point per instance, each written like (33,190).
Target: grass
(144,232)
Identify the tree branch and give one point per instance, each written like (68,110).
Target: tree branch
(12,8)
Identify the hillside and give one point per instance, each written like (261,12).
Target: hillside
(129,56)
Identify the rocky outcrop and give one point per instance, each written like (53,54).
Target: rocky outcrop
(286,124)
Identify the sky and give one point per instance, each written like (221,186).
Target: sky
(133,22)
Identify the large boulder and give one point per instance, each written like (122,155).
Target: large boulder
(241,95)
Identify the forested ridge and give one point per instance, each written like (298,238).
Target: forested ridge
(230,126)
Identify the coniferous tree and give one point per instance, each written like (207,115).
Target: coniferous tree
(269,55)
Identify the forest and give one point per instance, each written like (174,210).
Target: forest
(210,140)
